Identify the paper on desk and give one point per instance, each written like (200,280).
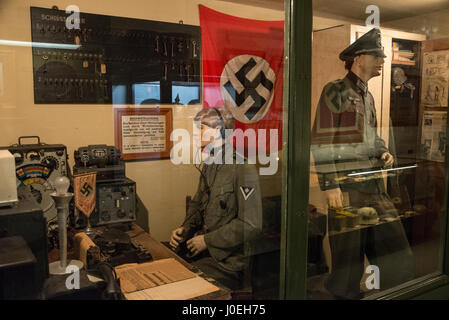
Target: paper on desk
(136,277)
(181,290)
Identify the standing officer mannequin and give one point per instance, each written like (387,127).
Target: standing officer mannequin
(225,215)
(348,102)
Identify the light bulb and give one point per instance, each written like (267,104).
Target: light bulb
(61,185)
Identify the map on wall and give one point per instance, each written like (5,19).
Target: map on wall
(435,79)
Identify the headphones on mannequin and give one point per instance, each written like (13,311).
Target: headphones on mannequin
(223,127)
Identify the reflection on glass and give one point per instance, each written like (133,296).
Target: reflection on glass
(185,93)
(346,112)
(147,93)
(119,94)
(377,156)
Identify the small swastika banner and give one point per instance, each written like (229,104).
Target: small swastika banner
(84,192)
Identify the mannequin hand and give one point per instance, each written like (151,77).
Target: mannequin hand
(176,238)
(196,245)
(388,159)
(396,200)
(334,198)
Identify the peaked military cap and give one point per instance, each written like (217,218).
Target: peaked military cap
(369,43)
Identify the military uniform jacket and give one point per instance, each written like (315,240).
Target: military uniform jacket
(338,99)
(229,214)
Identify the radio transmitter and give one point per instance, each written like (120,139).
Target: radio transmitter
(36,167)
(115,203)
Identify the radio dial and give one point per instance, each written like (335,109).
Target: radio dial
(105,216)
(33,155)
(121,213)
(18,156)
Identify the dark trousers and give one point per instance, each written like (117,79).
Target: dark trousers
(210,267)
(385,246)
(230,279)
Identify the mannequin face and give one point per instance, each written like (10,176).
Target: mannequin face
(368,66)
(208,135)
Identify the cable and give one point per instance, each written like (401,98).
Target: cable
(202,175)
(138,234)
(110,267)
(200,170)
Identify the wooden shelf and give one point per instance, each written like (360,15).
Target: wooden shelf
(365,226)
(404,63)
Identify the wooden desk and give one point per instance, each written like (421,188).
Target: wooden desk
(159,251)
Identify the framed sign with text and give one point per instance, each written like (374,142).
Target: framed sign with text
(143,133)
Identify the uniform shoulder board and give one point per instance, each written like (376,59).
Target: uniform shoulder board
(338,81)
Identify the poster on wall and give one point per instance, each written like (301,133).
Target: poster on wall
(433,137)
(143,133)
(435,79)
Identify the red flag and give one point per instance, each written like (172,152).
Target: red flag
(84,189)
(243,70)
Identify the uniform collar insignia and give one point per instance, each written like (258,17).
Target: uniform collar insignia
(358,83)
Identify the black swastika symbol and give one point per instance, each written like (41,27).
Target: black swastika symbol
(336,96)
(86,189)
(250,88)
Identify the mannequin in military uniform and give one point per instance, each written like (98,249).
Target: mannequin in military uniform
(346,117)
(225,215)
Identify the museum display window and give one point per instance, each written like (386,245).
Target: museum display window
(256,149)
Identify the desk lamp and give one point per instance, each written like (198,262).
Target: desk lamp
(62,199)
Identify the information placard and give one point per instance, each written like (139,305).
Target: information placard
(143,133)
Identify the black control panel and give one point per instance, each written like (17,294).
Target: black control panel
(116,60)
(115,203)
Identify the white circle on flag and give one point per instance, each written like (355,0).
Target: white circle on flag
(247,87)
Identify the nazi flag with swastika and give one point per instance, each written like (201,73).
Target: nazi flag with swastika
(84,189)
(243,71)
